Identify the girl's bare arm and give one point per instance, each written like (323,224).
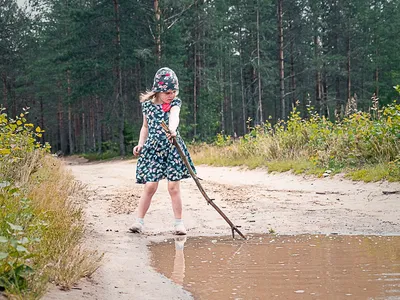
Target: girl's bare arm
(144,132)
(174,119)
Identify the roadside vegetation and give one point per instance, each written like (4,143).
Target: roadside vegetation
(41,221)
(94,156)
(364,145)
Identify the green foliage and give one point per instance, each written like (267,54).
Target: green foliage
(17,134)
(92,156)
(222,140)
(109,146)
(17,138)
(393,168)
(19,234)
(383,171)
(369,173)
(131,135)
(218,49)
(317,144)
(297,166)
(38,223)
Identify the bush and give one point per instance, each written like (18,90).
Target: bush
(17,143)
(41,221)
(359,140)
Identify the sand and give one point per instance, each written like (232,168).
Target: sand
(253,199)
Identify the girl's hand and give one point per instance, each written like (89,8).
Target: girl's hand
(137,149)
(171,134)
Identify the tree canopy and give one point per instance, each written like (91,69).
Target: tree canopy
(81,65)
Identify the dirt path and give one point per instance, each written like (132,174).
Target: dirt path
(255,200)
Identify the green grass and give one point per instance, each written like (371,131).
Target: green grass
(42,228)
(94,156)
(365,146)
(296,166)
(374,173)
(215,156)
(226,156)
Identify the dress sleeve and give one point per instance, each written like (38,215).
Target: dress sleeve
(176,102)
(145,107)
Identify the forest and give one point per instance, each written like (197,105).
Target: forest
(307,86)
(79,66)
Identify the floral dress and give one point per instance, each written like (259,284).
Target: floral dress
(159,158)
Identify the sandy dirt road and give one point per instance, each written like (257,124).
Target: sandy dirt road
(255,200)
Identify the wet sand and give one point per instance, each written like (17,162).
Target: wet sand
(257,201)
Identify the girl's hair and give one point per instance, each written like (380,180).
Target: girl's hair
(148,95)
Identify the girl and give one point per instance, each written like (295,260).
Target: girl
(158,156)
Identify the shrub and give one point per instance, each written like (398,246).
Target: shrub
(41,221)
(360,139)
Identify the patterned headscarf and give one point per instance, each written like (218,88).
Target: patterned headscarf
(165,80)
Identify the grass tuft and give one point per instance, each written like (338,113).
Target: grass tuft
(374,173)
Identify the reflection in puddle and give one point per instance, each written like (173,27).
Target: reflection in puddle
(283,267)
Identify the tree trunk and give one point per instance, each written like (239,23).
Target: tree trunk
(221,93)
(61,130)
(83,129)
(318,92)
(42,119)
(281,62)
(59,127)
(13,96)
(233,132)
(119,99)
(99,132)
(260,108)
(70,138)
(92,127)
(77,131)
(292,74)
(325,108)
(348,69)
(242,83)
(195,87)
(70,133)
(376,75)
(157,12)
(5,92)
(339,102)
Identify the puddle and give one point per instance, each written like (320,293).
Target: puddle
(283,267)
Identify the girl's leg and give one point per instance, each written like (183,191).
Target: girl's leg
(175,193)
(144,203)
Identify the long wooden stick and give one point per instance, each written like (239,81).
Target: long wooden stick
(196,179)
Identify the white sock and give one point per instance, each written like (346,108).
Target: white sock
(178,221)
(140,220)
